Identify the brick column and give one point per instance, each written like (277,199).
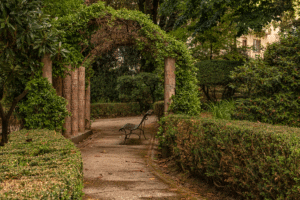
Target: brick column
(169,82)
(67,91)
(47,69)
(81,99)
(74,104)
(88,106)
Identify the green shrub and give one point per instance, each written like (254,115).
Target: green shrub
(223,109)
(141,88)
(105,110)
(40,164)
(158,108)
(254,160)
(43,107)
(271,85)
(213,73)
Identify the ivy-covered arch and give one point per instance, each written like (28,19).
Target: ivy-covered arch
(95,29)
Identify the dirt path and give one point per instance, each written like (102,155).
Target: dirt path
(113,170)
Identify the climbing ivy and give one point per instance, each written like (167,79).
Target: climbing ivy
(76,32)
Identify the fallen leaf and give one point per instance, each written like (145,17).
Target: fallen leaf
(165,166)
(97,156)
(152,179)
(173,189)
(146,156)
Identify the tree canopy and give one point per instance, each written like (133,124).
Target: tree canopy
(246,14)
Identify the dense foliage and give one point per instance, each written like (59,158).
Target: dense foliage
(43,108)
(108,68)
(40,164)
(142,88)
(26,36)
(253,160)
(216,73)
(272,84)
(253,14)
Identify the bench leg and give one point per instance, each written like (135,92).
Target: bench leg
(125,138)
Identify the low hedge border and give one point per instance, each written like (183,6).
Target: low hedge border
(108,110)
(254,160)
(40,164)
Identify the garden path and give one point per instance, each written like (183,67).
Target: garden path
(113,170)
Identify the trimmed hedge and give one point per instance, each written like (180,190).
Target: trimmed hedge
(254,160)
(214,73)
(40,164)
(105,110)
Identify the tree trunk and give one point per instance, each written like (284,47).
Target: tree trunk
(162,21)
(6,116)
(154,12)
(5,125)
(141,6)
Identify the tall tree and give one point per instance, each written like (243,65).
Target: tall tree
(25,37)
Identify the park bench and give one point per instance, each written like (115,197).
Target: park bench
(129,128)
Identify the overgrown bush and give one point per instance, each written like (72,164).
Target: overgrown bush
(216,73)
(254,160)
(104,110)
(43,108)
(40,164)
(271,85)
(141,88)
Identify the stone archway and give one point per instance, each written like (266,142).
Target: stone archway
(103,29)
(74,90)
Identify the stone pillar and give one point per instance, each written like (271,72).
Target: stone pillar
(74,104)
(58,86)
(47,69)
(67,91)
(81,99)
(88,106)
(169,82)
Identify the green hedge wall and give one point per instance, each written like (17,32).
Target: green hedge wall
(213,77)
(40,164)
(105,110)
(254,160)
(215,72)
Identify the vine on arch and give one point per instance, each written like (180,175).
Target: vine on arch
(96,29)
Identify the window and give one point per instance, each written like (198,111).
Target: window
(256,45)
(244,43)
